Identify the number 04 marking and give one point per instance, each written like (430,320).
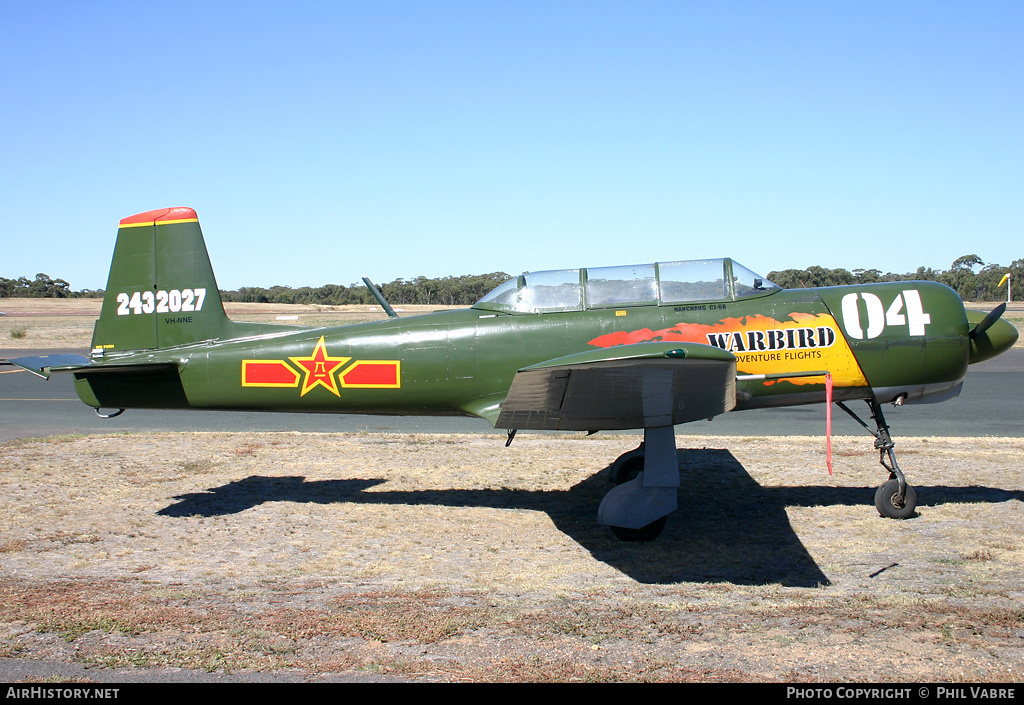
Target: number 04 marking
(879,317)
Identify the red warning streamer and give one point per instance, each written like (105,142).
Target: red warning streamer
(828,421)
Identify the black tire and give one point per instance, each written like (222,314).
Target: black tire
(644,533)
(888,504)
(627,469)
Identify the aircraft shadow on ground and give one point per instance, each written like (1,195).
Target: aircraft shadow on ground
(728,528)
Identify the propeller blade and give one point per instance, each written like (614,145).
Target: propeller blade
(987,322)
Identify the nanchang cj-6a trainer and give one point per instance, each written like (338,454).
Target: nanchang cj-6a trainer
(629,347)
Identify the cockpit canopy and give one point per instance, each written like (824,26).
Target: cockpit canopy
(705,280)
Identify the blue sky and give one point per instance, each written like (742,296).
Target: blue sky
(324,141)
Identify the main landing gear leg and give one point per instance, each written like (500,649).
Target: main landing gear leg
(647,486)
(894,499)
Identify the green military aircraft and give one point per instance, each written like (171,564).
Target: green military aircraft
(629,347)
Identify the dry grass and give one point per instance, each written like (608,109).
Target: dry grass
(454,558)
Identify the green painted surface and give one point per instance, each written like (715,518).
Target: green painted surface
(163,339)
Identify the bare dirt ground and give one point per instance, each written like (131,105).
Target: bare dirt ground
(453,558)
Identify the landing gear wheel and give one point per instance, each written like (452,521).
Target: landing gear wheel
(627,469)
(888,504)
(646,487)
(644,533)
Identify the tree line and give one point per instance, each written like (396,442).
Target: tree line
(42,287)
(969,276)
(443,291)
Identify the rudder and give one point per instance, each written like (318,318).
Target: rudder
(161,291)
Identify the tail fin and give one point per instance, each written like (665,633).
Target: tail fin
(161,291)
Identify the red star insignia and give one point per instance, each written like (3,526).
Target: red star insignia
(319,368)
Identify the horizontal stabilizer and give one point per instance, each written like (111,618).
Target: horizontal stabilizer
(41,365)
(45,365)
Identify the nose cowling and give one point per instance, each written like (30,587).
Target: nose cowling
(996,339)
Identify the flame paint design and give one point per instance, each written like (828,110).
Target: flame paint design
(764,345)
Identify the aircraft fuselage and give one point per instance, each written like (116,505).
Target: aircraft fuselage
(881,340)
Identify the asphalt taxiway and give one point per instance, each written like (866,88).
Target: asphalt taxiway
(991,404)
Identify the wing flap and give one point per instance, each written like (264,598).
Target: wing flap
(630,386)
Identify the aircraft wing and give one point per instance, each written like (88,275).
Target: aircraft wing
(641,385)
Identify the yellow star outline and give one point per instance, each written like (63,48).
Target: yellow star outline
(319,368)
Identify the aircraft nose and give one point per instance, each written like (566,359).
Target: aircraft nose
(999,338)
